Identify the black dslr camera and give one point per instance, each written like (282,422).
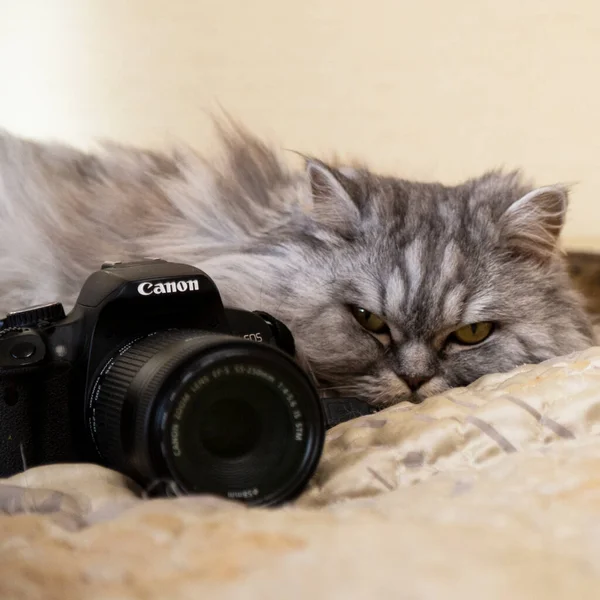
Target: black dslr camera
(151,375)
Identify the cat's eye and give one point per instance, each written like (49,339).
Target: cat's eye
(370,321)
(473,333)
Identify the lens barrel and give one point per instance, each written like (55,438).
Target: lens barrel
(208,413)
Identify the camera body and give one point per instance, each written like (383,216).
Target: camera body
(51,361)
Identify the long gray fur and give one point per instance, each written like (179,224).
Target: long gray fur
(304,245)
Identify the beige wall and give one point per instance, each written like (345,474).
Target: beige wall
(430,89)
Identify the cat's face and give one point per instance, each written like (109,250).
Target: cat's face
(399,290)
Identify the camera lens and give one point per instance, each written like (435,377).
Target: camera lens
(208,413)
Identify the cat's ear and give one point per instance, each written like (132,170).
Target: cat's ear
(532,224)
(332,203)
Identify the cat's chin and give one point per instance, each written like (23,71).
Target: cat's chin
(436,385)
(391,390)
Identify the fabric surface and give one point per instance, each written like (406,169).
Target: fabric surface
(490,491)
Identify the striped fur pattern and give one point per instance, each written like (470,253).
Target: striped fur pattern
(305,245)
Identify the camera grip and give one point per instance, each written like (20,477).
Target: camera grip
(16,426)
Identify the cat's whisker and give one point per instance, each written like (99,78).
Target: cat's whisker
(350,390)
(338,387)
(260,293)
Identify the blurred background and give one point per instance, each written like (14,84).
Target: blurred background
(429,89)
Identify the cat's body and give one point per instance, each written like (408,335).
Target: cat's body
(309,247)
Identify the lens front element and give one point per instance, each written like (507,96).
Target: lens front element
(230,428)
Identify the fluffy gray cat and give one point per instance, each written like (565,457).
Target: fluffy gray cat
(395,290)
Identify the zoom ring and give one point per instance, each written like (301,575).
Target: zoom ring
(113,386)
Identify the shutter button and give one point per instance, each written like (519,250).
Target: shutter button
(22,350)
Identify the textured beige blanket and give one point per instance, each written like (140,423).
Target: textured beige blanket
(490,491)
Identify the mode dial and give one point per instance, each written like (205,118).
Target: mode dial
(33,315)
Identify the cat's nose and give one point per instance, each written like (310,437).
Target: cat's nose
(414,382)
